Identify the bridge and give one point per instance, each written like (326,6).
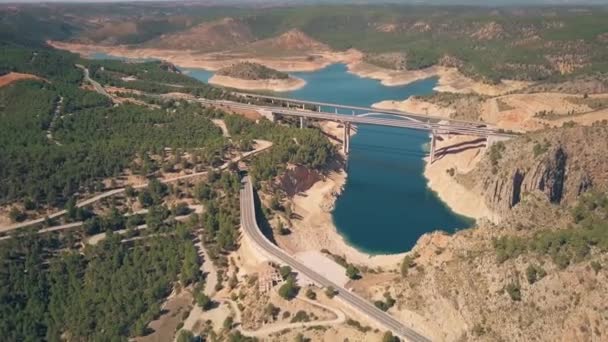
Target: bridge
(277,106)
(274,253)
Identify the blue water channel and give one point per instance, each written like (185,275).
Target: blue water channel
(386,205)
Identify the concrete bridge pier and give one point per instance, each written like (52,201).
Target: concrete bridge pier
(346,138)
(432,149)
(302,122)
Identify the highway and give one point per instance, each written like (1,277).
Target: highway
(251,229)
(418,117)
(454,127)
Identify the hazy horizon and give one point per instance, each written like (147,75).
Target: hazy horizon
(489,3)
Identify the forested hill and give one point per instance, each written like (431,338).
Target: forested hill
(60,142)
(92,139)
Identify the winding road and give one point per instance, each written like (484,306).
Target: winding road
(265,246)
(262,146)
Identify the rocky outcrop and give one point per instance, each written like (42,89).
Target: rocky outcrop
(557,165)
(297,179)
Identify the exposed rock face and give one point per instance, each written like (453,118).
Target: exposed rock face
(298,179)
(546,176)
(547,163)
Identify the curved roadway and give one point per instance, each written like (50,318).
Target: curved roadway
(250,227)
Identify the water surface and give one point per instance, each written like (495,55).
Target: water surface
(386,205)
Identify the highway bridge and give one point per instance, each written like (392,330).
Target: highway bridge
(261,242)
(360,115)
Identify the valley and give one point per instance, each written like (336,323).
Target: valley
(149,191)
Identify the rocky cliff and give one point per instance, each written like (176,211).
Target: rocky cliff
(558,165)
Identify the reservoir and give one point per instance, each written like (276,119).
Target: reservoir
(386,205)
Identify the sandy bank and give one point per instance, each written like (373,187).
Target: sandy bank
(519,112)
(316,229)
(450,79)
(415,106)
(276,85)
(460,154)
(216,61)
(391,77)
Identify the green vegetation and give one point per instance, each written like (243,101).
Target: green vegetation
(386,304)
(186,336)
(149,77)
(353,272)
(310,294)
(389,337)
(272,311)
(251,71)
(300,316)
(514,291)
(290,289)
(495,154)
(569,245)
(330,292)
(407,263)
(357,325)
(535,273)
(44,294)
(540,148)
(221,218)
(285,271)
(95,141)
(308,147)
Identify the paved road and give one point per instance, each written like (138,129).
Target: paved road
(261,148)
(437,126)
(251,229)
(95,84)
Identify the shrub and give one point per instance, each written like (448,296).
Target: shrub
(310,294)
(352,272)
(285,271)
(534,273)
(514,291)
(289,290)
(330,292)
(300,316)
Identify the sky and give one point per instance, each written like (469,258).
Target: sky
(434,2)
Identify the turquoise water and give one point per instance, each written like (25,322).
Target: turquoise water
(386,205)
(199,74)
(103,55)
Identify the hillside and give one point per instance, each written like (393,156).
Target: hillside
(209,36)
(557,165)
(251,71)
(255,76)
(538,44)
(291,42)
(538,273)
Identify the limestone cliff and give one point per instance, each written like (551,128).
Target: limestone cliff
(557,164)
(461,287)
